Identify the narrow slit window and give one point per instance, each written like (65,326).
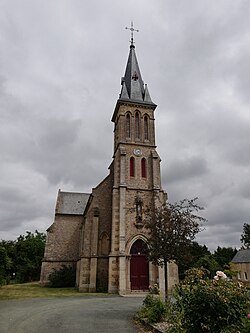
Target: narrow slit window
(146,128)
(128,126)
(143,168)
(132,167)
(137,125)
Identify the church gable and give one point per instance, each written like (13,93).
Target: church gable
(63,236)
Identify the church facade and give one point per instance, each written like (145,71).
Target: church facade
(102,234)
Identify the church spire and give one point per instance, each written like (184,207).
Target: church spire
(133,87)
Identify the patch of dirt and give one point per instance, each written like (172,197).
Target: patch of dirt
(162,327)
(144,328)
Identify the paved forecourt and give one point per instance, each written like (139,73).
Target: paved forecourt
(69,314)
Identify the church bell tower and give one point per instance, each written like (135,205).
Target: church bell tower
(136,182)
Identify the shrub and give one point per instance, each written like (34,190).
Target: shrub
(211,305)
(154,290)
(153,309)
(63,277)
(246,324)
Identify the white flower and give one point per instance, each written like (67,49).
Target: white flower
(220,275)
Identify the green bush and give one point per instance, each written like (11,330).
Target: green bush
(246,324)
(153,309)
(209,305)
(63,277)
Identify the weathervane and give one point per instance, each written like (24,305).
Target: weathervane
(132,32)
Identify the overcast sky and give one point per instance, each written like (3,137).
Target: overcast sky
(60,67)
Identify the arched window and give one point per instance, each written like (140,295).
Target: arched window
(137,125)
(146,128)
(128,126)
(143,168)
(132,166)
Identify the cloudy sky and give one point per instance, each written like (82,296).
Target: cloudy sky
(60,67)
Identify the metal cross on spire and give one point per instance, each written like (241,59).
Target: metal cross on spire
(132,32)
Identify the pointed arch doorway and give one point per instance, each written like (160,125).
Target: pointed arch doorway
(139,266)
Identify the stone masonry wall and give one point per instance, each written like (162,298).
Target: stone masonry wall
(62,244)
(101,208)
(63,238)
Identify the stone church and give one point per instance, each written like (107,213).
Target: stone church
(102,234)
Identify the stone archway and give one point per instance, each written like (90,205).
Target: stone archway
(139,266)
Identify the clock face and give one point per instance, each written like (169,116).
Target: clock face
(137,151)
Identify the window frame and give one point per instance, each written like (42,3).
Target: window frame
(143,167)
(137,125)
(128,125)
(132,166)
(146,127)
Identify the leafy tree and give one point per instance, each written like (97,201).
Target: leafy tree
(196,252)
(209,263)
(7,260)
(172,228)
(224,255)
(29,253)
(219,260)
(5,266)
(245,236)
(2,264)
(22,258)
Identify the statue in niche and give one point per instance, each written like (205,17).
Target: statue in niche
(138,209)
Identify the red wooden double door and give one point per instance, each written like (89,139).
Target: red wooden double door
(139,268)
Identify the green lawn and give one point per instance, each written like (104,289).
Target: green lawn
(33,289)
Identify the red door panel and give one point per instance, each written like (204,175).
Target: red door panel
(139,272)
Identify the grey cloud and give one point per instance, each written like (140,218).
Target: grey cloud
(244,190)
(185,168)
(224,209)
(219,236)
(60,70)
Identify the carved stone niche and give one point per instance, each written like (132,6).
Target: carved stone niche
(96,211)
(139,212)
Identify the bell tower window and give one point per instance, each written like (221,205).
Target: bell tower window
(137,125)
(146,128)
(128,126)
(143,168)
(132,166)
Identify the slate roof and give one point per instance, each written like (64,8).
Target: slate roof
(241,256)
(132,84)
(133,88)
(71,203)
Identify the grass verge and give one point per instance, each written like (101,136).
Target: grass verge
(33,289)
